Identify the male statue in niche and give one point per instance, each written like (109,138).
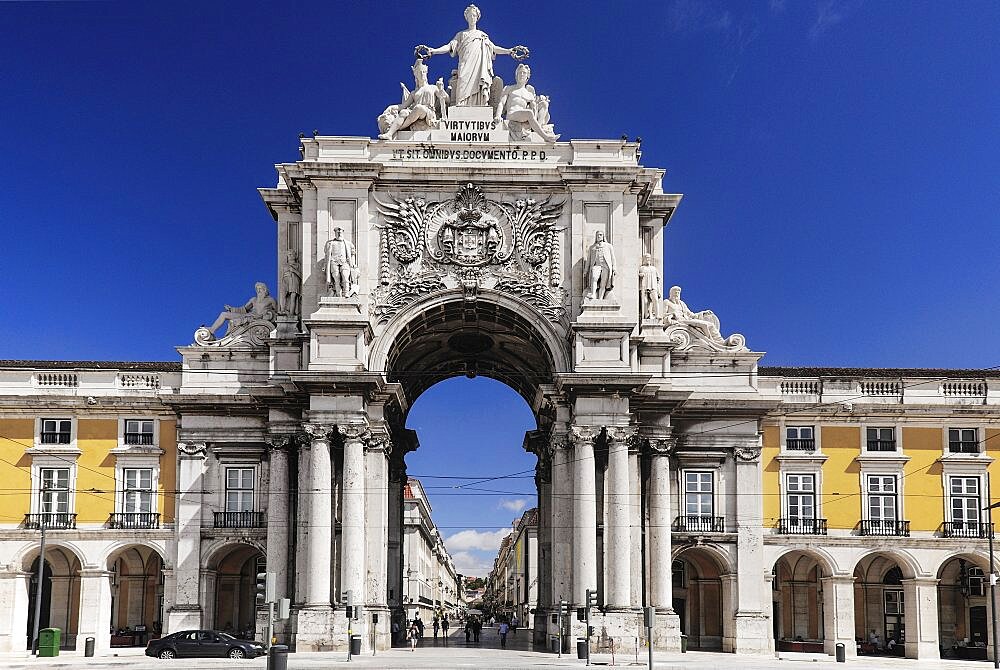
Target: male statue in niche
(601,267)
(341,266)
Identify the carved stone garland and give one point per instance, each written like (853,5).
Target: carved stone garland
(473,242)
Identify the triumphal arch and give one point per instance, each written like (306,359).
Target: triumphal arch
(472,238)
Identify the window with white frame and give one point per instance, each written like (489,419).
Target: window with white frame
(965,502)
(56,431)
(963,440)
(139,432)
(239,489)
(698,493)
(882,498)
(54,491)
(881,439)
(137,485)
(800,438)
(800,497)
(977,581)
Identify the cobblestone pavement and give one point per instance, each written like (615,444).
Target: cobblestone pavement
(486,655)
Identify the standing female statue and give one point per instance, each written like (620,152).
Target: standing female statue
(475,53)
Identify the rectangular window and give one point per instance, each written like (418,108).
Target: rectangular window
(882,498)
(698,493)
(800,438)
(139,431)
(56,431)
(800,491)
(239,489)
(894,623)
(881,439)
(965,503)
(963,440)
(54,491)
(138,490)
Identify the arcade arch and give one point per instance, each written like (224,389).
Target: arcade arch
(963,599)
(230,581)
(702,598)
(880,601)
(60,606)
(136,594)
(799,608)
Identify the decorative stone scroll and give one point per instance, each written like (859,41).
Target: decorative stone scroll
(581,435)
(379,441)
(318,431)
(747,454)
(696,330)
(354,432)
(473,241)
(192,449)
(621,434)
(660,446)
(250,325)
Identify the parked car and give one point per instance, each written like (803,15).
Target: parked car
(203,643)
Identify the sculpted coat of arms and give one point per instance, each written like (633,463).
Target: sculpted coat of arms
(471,241)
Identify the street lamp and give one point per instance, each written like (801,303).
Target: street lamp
(993,571)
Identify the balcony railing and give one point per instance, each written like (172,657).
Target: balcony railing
(962,447)
(129,520)
(240,520)
(966,529)
(700,524)
(139,438)
(885,527)
(881,445)
(793,526)
(55,438)
(800,444)
(51,520)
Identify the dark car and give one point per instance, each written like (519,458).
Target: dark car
(203,643)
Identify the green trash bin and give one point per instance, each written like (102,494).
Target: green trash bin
(48,642)
(684,643)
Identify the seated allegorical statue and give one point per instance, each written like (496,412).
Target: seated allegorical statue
(524,109)
(261,310)
(688,328)
(420,107)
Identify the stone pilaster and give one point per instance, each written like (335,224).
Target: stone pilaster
(753,634)
(95,609)
(302,529)
(561,519)
(584,512)
(618,531)
(666,633)
(14,595)
(920,607)
(838,614)
(186,610)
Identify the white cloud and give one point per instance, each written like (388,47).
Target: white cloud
(829,13)
(515,505)
(465,540)
(471,565)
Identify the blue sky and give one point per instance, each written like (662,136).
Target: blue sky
(839,161)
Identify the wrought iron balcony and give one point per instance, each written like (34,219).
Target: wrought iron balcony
(129,520)
(885,527)
(139,438)
(55,438)
(51,521)
(966,529)
(881,445)
(800,444)
(963,447)
(794,526)
(240,520)
(700,524)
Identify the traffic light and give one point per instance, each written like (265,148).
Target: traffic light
(564,608)
(348,600)
(581,613)
(590,631)
(591,598)
(266,583)
(284,608)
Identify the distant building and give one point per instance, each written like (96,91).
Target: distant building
(430,583)
(512,585)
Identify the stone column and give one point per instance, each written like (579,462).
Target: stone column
(920,608)
(543,568)
(352,560)
(277,512)
(659,554)
(377,452)
(618,532)
(320,489)
(838,614)
(302,529)
(753,634)
(14,614)
(95,609)
(584,512)
(186,610)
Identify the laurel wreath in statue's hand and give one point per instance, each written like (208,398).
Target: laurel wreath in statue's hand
(520,52)
(422,51)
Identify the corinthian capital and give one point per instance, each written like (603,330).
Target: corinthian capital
(379,441)
(583,435)
(354,432)
(620,433)
(661,446)
(317,431)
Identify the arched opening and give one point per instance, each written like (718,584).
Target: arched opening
(880,604)
(963,614)
(699,598)
(60,604)
(471,372)
(136,595)
(231,578)
(798,603)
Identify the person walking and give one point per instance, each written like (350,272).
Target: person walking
(468,632)
(503,634)
(414,635)
(477,627)
(444,629)
(513,625)
(437,627)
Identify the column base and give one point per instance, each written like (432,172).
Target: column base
(616,631)
(314,630)
(753,633)
(183,618)
(667,630)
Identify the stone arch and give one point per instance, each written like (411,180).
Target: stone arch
(879,597)
(820,555)
(702,577)
(906,562)
(799,599)
(26,557)
(440,335)
(136,592)
(61,585)
(963,605)
(229,587)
